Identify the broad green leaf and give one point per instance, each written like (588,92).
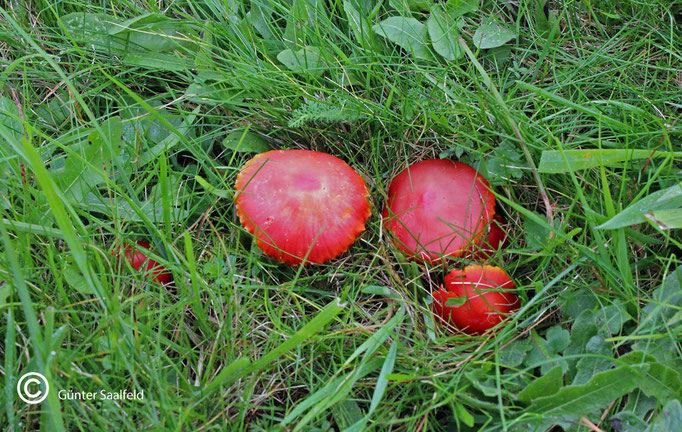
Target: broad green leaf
(382,291)
(56,110)
(483,378)
(138,122)
(597,358)
(561,161)
(573,304)
(505,162)
(111,137)
(670,418)
(537,235)
(498,55)
(407,33)
(9,116)
(359,22)
(492,34)
(346,413)
(665,199)
(89,163)
(665,302)
(76,280)
(260,17)
(92,30)
(161,61)
(544,18)
(557,339)
(241,140)
(458,8)
(611,318)
(140,21)
(418,5)
(513,355)
(154,33)
(150,210)
(444,34)
(304,14)
(666,219)
(307,60)
(629,422)
(546,385)
(402,7)
(546,353)
(664,379)
(583,329)
(172,139)
(148,33)
(463,415)
(572,402)
(216,93)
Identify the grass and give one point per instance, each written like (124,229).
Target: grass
(129,120)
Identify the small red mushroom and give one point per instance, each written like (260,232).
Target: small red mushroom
(138,260)
(496,239)
(438,208)
(481,298)
(301,204)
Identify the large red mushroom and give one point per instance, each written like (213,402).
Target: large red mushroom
(475,299)
(438,208)
(302,206)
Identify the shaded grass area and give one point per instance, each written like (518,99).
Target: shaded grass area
(120,122)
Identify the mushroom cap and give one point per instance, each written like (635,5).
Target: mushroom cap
(496,239)
(438,208)
(487,298)
(140,261)
(301,202)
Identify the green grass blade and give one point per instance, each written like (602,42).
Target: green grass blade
(561,161)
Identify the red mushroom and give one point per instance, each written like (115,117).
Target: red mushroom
(438,208)
(495,240)
(138,261)
(301,204)
(481,298)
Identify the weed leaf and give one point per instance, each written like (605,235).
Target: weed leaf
(665,199)
(666,219)
(572,402)
(458,8)
(305,61)
(407,33)
(444,34)
(545,385)
(492,34)
(241,140)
